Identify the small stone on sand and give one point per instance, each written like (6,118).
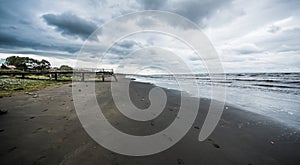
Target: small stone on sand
(3,111)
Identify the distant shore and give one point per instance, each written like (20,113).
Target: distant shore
(46,130)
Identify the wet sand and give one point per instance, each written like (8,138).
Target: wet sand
(46,130)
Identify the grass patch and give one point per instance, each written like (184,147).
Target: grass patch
(65,77)
(9,86)
(40,77)
(60,77)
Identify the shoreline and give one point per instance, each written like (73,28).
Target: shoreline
(279,100)
(46,130)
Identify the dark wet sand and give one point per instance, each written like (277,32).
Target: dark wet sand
(46,130)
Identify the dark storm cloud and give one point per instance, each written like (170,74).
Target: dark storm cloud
(11,41)
(152,4)
(196,10)
(8,39)
(71,25)
(20,31)
(37,27)
(127,43)
(119,51)
(247,49)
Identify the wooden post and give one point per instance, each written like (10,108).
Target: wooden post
(103,77)
(82,76)
(23,75)
(55,76)
(115,77)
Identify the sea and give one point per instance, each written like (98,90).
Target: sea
(276,95)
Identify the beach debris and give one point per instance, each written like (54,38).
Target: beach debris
(142,99)
(34,95)
(4,89)
(272,142)
(19,89)
(132,79)
(196,127)
(226,107)
(240,125)
(3,111)
(1,130)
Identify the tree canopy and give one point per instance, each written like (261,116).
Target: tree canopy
(26,63)
(65,67)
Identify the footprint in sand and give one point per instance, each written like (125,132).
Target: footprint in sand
(116,123)
(196,127)
(213,143)
(38,129)
(42,157)
(32,117)
(12,149)
(180,161)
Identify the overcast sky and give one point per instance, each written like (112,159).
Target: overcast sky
(249,36)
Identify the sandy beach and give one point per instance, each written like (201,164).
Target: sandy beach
(46,130)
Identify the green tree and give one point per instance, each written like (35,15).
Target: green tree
(45,64)
(26,63)
(19,62)
(65,67)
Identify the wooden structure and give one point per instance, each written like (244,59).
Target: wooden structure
(99,73)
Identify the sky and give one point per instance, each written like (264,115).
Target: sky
(249,36)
